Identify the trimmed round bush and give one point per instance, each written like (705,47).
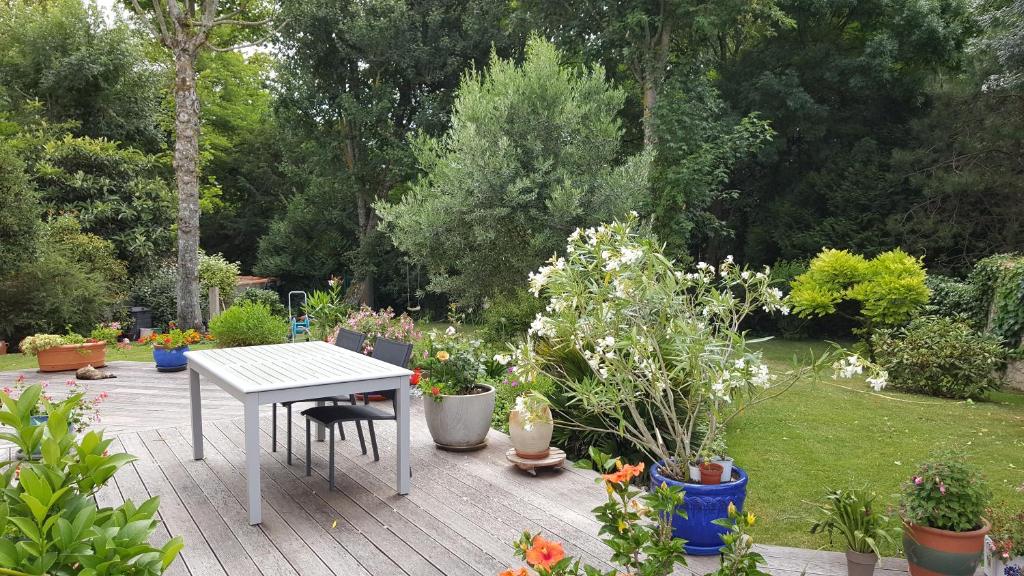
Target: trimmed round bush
(248,324)
(508,316)
(940,356)
(951,297)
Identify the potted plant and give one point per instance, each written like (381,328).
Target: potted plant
(1004,554)
(3,347)
(943,508)
(70,351)
(647,352)
(85,412)
(530,425)
(852,515)
(169,349)
(459,406)
(710,472)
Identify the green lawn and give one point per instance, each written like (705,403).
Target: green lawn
(820,435)
(137,353)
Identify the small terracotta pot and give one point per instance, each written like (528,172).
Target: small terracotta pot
(710,473)
(72,356)
(934,552)
(860,563)
(3,347)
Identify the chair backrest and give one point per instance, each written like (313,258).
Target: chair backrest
(350,340)
(392,352)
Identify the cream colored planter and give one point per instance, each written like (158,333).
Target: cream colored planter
(533,443)
(460,422)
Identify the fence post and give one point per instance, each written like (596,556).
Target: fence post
(214,302)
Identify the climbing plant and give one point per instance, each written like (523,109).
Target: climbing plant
(999,284)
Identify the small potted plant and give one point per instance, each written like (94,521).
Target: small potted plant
(1004,555)
(70,351)
(852,515)
(710,471)
(169,349)
(530,425)
(943,508)
(459,406)
(86,408)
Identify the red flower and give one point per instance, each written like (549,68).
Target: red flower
(544,553)
(415,378)
(435,390)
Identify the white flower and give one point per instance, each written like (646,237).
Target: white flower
(502,359)
(542,326)
(740,364)
(879,381)
(702,265)
(761,376)
(729,259)
(450,331)
(609,341)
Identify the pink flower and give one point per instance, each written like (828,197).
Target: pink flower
(942,488)
(918,480)
(21,378)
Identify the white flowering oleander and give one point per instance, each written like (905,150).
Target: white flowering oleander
(502,359)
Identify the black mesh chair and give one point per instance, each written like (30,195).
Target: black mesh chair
(390,351)
(346,339)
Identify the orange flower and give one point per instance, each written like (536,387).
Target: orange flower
(435,390)
(515,572)
(624,474)
(544,553)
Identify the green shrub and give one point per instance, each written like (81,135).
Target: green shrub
(263,296)
(999,284)
(940,356)
(952,298)
(157,291)
(248,324)
(49,519)
(508,316)
(216,271)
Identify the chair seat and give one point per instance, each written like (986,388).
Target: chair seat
(328,415)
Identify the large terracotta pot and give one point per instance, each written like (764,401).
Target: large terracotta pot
(460,422)
(72,356)
(534,443)
(934,552)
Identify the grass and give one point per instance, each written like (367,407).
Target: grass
(820,435)
(136,353)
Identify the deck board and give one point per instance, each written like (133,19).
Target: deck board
(460,518)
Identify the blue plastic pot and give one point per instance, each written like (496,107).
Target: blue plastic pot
(170,360)
(704,505)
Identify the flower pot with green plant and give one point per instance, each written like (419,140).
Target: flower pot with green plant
(458,404)
(1004,554)
(52,523)
(645,351)
(943,507)
(853,516)
(85,406)
(169,349)
(530,425)
(60,352)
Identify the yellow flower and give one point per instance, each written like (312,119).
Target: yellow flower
(732,510)
(443,356)
(622,526)
(751,518)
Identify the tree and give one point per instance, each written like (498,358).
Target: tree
(186,29)
(649,37)
(355,79)
(533,152)
(20,210)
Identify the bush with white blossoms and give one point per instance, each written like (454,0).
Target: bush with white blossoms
(647,350)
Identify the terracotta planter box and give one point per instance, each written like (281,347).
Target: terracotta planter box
(72,356)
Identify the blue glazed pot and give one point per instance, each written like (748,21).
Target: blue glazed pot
(704,504)
(170,360)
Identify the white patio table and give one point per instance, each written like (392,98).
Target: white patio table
(258,375)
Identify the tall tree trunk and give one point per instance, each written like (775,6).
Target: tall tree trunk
(650,98)
(654,74)
(367,227)
(186,174)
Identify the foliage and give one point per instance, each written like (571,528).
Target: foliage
(85,409)
(106,332)
(19,213)
(48,514)
(264,296)
(326,311)
(507,390)
(36,343)
(173,339)
(1007,531)
(886,290)
(453,364)
(534,151)
(951,298)
(945,493)
(508,314)
(215,271)
(636,525)
(999,282)
(248,324)
(646,350)
(942,357)
(381,323)
(853,515)
(738,556)
(156,290)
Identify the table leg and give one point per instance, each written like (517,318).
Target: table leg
(402,428)
(252,458)
(320,427)
(195,402)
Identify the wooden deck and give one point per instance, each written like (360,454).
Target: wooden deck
(460,518)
